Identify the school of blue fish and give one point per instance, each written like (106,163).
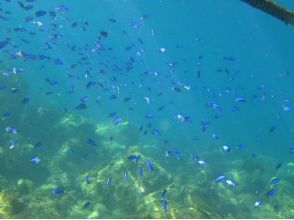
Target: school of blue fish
(117,72)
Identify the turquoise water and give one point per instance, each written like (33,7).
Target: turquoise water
(145,109)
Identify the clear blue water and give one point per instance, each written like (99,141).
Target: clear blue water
(91,90)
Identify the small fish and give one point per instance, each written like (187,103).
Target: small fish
(112,97)
(35,160)
(149,116)
(241,146)
(87,205)
(277,207)
(40,13)
(112,20)
(270,193)
(162,50)
(111,114)
(163,194)
(37,145)
(164,204)
(140,171)
(215,136)
(150,165)
(134,158)
(81,106)
(194,158)
(6,115)
(156,132)
(58,61)
(198,74)
(91,142)
(291,150)
(230,183)
(87,179)
(160,108)
(205,125)
(220,178)
(126,175)
(57,192)
(258,203)
(279,165)
(10,129)
(229,58)
(275,180)
(286,107)
(103,34)
(25,100)
(240,99)
(117,120)
(108,181)
(272,129)
(3,44)
(235,109)
(226,148)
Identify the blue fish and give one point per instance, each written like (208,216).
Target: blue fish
(112,20)
(194,158)
(117,120)
(87,205)
(205,125)
(163,194)
(140,171)
(58,61)
(35,160)
(89,84)
(156,132)
(279,165)
(188,119)
(87,179)
(160,108)
(149,116)
(108,181)
(6,115)
(112,97)
(25,100)
(134,158)
(28,18)
(126,175)
(127,99)
(173,152)
(272,129)
(220,178)
(241,146)
(91,142)
(111,114)
(81,106)
(275,180)
(57,192)
(37,145)
(240,99)
(3,43)
(235,108)
(271,193)
(164,204)
(291,150)
(40,13)
(150,165)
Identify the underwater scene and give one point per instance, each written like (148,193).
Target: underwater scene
(146,109)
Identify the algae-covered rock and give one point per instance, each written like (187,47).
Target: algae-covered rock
(123,133)
(120,180)
(4,206)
